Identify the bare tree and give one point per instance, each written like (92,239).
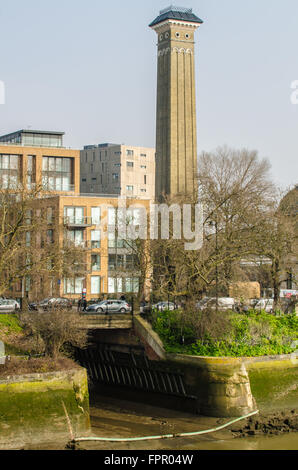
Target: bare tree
(30,245)
(236,191)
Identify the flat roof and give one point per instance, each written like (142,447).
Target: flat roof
(30,131)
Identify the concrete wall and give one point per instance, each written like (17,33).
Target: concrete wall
(229,386)
(274,381)
(31,407)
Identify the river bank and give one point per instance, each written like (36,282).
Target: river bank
(113,417)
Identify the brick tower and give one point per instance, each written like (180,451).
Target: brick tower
(176,131)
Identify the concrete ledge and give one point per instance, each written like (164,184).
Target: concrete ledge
(146,334)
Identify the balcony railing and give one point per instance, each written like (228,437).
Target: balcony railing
(84,244)
(77,221)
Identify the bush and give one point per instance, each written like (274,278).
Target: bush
(55,330)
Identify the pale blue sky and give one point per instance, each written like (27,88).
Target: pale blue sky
(89,68)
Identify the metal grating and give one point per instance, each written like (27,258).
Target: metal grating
(111,368)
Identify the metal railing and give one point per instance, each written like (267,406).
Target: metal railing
(77,221)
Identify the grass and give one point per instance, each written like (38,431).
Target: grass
(9,324)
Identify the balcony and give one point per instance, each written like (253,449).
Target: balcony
(72,222)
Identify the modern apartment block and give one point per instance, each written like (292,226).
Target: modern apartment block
(118,169)
(89,222)
(38,157)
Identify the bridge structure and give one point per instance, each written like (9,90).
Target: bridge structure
(125,353)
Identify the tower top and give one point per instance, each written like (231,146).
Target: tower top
(176,13)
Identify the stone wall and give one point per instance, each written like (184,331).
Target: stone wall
(32,407)
(221,385)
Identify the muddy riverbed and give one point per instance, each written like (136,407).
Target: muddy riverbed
(116,418)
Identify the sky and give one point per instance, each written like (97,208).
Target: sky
(89,68)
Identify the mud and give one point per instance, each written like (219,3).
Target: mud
(275,423)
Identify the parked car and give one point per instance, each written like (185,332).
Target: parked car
(33,306)
(224,303)
(109,306)
(55,303)
(162,306)
(9,305)
(265,304)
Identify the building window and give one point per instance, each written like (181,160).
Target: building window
(95,284)
(132,284)
(9,170)
(143,190)
(129,153)
(30,171)
(28,239)
(50,215)
(95,215)
(74,215)
(50,236)
(144,167)
(95,262)
(57,173)
(84,180)
(129,188)
(143,155)
(76,237)
(112,216)
(95,239)
(145,179)
(74,286)
(129,165)
(114,285)
(115,177)
(116,261)
(27,284)
(114,242)
(131,261)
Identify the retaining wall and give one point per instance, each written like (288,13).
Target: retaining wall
(31,407)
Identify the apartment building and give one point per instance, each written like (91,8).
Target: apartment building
(38,157)
(89,222)
(31,157)
(118,169)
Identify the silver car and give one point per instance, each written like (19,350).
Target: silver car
(109,306)
(162,306)
(9,305)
